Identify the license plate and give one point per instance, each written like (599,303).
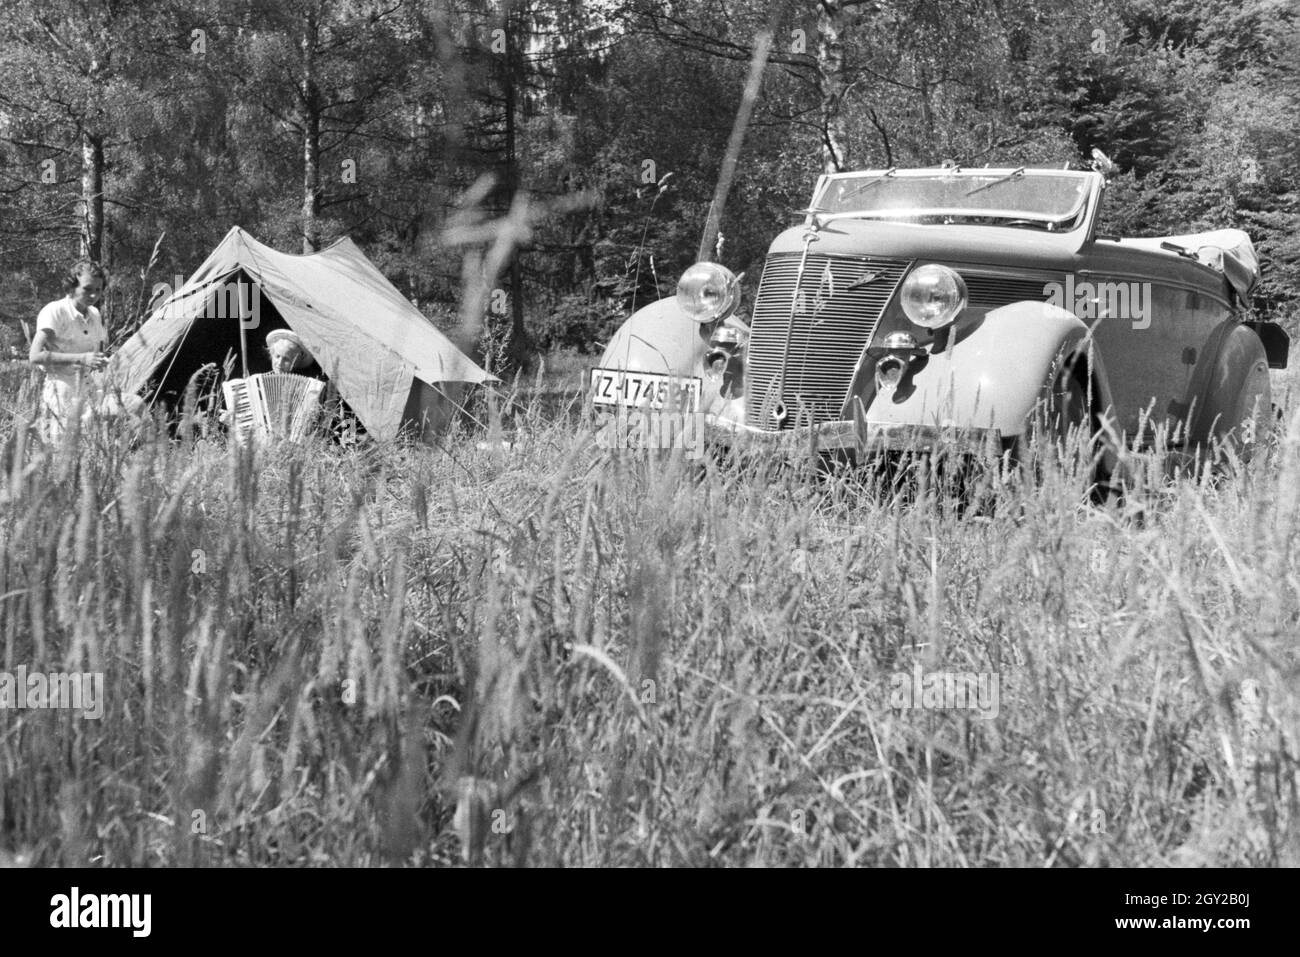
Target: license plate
(615,387)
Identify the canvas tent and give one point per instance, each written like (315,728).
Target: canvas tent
(389,363)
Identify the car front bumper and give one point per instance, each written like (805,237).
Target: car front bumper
(864,438)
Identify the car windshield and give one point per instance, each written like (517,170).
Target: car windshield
(977,196)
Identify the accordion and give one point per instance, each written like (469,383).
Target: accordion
(273,405)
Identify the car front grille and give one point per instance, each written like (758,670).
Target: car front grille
(840,301)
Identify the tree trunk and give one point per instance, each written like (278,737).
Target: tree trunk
(311,185)
(519,350)
(927,112)
(92,196)
(709,239)
(830,82)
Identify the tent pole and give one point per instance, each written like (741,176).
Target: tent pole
(243,328)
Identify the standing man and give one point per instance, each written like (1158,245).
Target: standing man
(69,343)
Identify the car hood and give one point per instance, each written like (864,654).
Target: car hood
(982,244)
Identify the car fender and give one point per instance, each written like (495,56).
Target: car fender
(1230,379)
(661,338)
(995,372)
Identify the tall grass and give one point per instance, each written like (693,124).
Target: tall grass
(547,654)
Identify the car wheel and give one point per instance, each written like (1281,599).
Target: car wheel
(1061,425)
(1068,408)
(1255,420)
(1236,417)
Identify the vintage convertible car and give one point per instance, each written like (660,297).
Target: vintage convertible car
(926,306)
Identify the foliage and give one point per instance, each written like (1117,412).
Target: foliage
(1196,101)
(316,658)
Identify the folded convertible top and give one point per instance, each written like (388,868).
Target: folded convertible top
(1230,251)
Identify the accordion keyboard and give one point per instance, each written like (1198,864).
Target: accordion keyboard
(242,419)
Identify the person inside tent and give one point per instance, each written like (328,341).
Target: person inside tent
(287,352)
(289,355)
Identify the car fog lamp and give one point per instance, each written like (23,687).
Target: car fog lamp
(889,371)
(893,355)
(708,291)
(933,296)
(724,345)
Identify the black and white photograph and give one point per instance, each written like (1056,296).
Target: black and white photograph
(642,434)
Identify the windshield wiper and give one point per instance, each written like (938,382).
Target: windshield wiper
(1014,174)
(867,185)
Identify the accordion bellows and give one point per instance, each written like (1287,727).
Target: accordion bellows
(273,404)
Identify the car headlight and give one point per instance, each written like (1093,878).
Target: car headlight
(708,291)
(933,295)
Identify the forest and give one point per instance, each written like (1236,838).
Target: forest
(138,133)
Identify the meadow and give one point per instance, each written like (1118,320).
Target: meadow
(547,654)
